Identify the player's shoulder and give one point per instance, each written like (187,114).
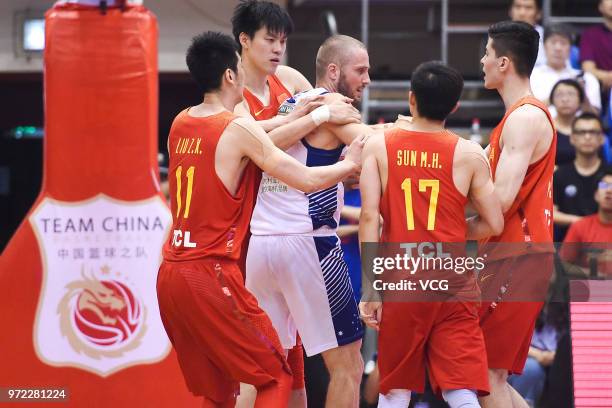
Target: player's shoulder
(241,125)
(292,79)
(469,146)
(311,93)
(527,116)
(286,72)
(375,142)
(180,117)
(330,97)
(469,152)
(528,111)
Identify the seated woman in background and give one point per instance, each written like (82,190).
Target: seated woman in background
(567,96)
(551,323)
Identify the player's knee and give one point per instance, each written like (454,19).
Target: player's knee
(360,366)
(349,368)
(356,368)
(344,370)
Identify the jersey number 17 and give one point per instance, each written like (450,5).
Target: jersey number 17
(423,185)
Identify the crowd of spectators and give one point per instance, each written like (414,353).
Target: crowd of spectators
(574,77)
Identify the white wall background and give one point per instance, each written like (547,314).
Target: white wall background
(178,20)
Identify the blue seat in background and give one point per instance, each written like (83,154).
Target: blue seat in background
(607,118)
(575,57)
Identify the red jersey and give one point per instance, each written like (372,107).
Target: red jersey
(589,237)
(206,219)
(421,205)
(529,219)
(421,202)
(278,95)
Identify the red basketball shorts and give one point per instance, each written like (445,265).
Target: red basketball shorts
(508,327)
(220,334)
(443,338)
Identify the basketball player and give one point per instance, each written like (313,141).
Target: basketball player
(295,265)
(420,177)
(219,333)
(522,157)
(261,28)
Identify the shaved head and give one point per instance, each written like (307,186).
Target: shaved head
(343,66)
(337,49)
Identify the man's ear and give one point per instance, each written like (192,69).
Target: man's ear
(412,102)
(333,71)
(229,75)
(455,108)
(504,64)
(244,40)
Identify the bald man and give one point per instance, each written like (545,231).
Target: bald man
(295,266)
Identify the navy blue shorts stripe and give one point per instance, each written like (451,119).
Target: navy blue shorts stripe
(343,308)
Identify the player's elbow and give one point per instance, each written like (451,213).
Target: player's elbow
(497,225)
(506,202)
(496,219)
(369,216)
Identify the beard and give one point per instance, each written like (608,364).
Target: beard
(345,89)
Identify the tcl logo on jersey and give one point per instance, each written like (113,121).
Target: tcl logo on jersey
(180,238)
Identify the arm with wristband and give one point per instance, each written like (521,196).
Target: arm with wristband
(337,110)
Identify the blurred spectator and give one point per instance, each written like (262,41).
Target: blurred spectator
(530,12)
(557,44)
(566,97)
(574,184)
(540,357)
(596,47)
(589,238)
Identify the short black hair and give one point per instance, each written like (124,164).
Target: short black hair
(569,82)
(604,172)
(587,116)
(208,56)
(518,41)
(251,15)
(437,88)
(564,30)
(538,4)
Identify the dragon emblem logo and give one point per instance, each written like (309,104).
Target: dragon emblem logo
(101,317)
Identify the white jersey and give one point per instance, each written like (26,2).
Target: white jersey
(283,210)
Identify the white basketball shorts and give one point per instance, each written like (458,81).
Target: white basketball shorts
(302,283)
